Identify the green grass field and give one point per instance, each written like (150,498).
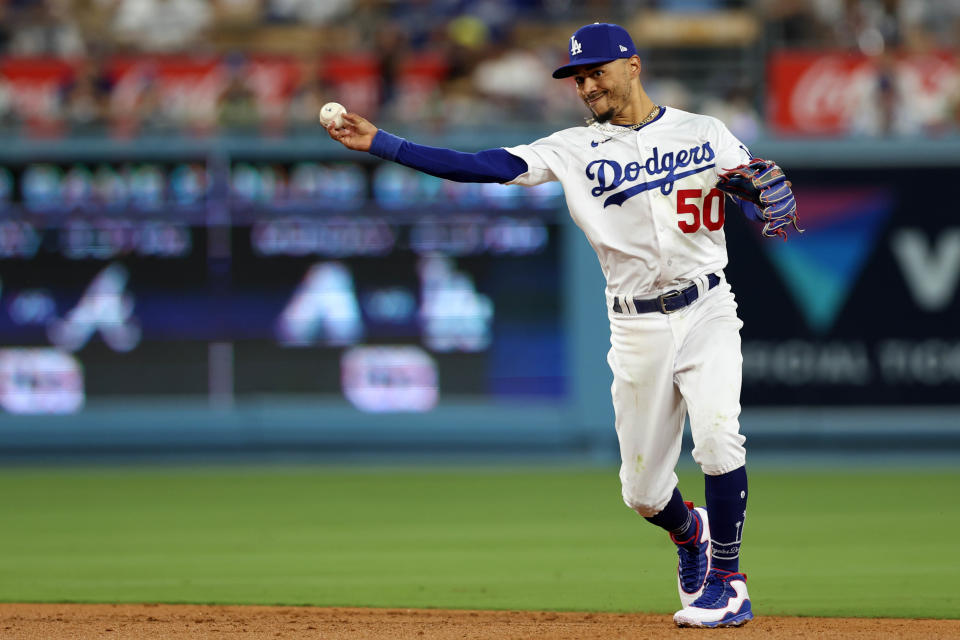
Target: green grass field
(855,543)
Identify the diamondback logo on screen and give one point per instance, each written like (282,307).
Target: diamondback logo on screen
(610,175)
(821,267)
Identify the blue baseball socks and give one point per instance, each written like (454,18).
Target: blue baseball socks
(727,507)
(677,518)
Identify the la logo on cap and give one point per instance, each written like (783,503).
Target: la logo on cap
(596,44)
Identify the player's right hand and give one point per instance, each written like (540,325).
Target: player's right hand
(356,133)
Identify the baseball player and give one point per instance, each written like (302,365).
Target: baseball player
(646,183)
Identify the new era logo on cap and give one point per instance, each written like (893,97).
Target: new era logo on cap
(597,43)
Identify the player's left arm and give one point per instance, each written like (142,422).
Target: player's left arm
(759,184)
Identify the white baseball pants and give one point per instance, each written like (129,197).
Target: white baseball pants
(665,366)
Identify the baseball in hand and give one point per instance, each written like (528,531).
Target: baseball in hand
(332,112)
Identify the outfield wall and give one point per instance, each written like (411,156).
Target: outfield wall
(851,336)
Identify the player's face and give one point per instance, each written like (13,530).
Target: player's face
(605,88)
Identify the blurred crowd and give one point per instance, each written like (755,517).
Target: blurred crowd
(881,67)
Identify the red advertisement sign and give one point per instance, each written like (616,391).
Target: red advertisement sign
(836,94)
(34,87)
(187,90)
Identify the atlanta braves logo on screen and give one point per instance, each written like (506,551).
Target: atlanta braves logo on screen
(610,175)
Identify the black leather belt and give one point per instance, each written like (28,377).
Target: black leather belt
(668,302)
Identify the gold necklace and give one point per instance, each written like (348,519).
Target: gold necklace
(650,116)
(615,131)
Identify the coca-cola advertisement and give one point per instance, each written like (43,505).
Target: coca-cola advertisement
(843,94)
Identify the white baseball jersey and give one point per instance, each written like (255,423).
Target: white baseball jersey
(647,202)
(646,198)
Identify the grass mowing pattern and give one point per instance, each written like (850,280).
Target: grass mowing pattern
(816,543)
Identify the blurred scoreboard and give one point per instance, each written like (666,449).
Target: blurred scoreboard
(363,280)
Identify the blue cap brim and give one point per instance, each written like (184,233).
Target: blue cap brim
(568,70)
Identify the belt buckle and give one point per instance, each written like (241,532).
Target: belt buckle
(663,298)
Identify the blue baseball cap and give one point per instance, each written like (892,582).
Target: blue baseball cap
(596,43)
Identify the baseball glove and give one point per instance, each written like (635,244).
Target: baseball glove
(762,184)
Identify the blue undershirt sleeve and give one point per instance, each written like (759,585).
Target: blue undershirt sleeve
(491,165)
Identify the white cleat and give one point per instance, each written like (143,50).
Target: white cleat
(723,603)
(693,566)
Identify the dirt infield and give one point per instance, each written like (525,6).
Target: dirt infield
(76,621)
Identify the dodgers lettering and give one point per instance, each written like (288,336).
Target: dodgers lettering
(609,175)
